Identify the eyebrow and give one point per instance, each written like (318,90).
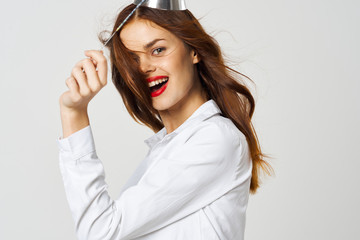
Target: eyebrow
(152,43)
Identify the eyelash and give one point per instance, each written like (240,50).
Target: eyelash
(136,59)
(157,49)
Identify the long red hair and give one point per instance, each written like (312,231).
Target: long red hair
(223,84)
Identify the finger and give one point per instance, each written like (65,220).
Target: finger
(94,61)
(101,65)
(91,75)
(73,86)
(99,54)
(81,79)
(95,64)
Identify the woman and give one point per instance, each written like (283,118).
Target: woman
(203,159)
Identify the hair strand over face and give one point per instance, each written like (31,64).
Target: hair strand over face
(221,83)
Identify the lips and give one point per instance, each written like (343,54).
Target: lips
(154,78)
(157,85)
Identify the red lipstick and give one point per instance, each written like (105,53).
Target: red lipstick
(150,79)
(158,91)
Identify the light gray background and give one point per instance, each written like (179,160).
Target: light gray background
(302,55)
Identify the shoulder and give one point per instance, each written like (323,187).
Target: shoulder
(215,140)
(227,127)
(218,132)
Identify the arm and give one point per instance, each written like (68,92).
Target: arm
(85,187)
(84,83)
(207,166)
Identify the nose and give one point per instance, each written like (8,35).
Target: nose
(146,65)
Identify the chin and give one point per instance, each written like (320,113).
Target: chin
(160,106)
(163,104)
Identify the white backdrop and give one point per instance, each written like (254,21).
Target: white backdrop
(302,56)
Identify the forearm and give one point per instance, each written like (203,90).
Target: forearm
(85,187)
(73,121)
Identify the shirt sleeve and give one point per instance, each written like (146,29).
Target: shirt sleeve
(203,169)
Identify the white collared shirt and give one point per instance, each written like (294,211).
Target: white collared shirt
(192,185)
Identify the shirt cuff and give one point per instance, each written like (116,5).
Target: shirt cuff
(79,143)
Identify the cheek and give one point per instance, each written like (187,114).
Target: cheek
(171,65)
(178,66)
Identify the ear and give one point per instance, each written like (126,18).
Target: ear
(195,56)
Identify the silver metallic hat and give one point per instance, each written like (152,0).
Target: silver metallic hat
(159,4)
(164,4)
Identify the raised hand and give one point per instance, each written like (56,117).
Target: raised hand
(85,81)
(87,78)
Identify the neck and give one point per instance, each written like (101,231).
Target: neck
(177,115)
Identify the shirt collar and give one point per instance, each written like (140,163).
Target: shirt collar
(203,112)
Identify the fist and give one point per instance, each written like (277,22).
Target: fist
(87,78)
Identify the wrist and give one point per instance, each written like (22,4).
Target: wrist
(73,120)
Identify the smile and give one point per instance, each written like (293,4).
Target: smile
(157,85)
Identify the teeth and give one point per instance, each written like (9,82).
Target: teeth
(153,83)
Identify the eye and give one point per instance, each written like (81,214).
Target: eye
(135,57)
(157,51)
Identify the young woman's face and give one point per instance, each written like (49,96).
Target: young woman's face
(167,63)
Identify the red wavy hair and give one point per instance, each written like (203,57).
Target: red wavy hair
(223,84)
